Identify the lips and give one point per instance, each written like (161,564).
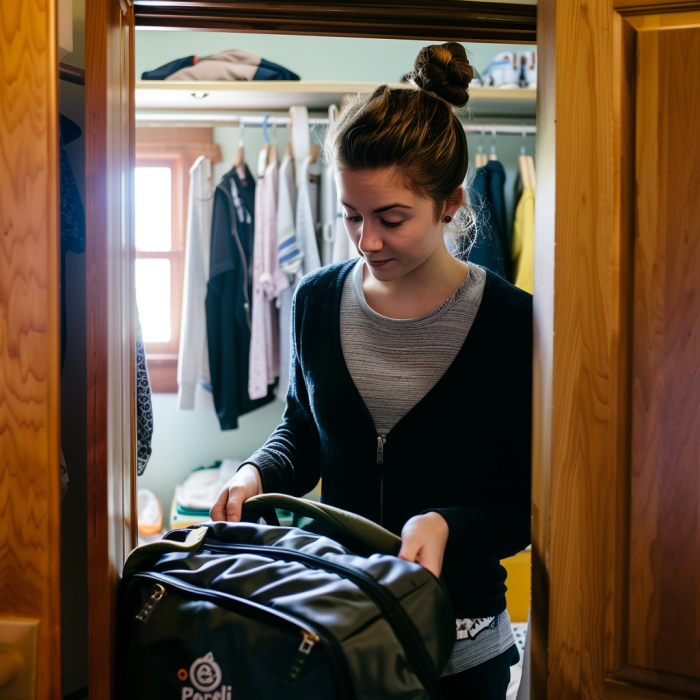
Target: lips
(378,263)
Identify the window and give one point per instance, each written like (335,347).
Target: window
(163,159)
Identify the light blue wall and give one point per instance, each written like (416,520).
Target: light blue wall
(312,57)
(184,440)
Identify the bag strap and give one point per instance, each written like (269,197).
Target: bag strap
(156,549)
(358,534)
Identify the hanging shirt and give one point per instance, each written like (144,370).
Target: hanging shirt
(144,404)
(524,241)
(307,212)
(289,253)
(228,300)
(193,360)
(268,282)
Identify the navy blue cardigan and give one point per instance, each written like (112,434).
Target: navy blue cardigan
(462,451)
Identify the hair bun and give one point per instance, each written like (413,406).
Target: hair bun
(444,70)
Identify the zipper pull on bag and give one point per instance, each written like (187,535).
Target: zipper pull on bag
(147,609)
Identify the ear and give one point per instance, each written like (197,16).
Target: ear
(453,203)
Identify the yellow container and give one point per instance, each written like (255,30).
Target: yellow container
(518,582)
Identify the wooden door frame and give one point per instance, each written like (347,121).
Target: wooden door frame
(110,157)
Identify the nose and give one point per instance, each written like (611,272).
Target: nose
(370,238)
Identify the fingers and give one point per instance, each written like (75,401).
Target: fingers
(229,504)
(218,511)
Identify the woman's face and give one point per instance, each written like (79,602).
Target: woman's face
(392,227)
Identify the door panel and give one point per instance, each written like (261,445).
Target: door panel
(30,335)
(664,615)
(620,553)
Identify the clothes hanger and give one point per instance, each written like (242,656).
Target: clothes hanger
(239,163)
(272,151)
(493,155)
(480,157)
(262,156)
(523,167)
(531,170)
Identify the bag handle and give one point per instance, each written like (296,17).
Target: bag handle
(358,534)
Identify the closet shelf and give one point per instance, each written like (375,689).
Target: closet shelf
(186,97)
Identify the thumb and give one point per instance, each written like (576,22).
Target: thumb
(410,546)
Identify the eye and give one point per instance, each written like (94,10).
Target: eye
(391,224)
(353,219)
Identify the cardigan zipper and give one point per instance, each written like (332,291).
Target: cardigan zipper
(381,440)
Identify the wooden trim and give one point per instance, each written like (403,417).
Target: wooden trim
(441,20)
(30,513)
(649,7)
(111,342)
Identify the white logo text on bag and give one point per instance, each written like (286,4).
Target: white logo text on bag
(205,676)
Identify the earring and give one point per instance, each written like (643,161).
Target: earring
(448,219)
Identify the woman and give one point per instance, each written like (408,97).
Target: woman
(411,375)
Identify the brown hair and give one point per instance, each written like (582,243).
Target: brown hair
(416,130)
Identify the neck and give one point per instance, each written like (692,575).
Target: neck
(421,290)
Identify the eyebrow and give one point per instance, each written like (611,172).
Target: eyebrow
(381,209)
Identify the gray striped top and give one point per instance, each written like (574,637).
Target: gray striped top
(394,364)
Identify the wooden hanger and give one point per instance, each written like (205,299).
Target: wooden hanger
(531,170)
(524,170)
(315,150)
(240,153)
(288,149)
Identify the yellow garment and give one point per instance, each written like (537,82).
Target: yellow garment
(523,245)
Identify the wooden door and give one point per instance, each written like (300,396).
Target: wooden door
(616,607)
(30,339)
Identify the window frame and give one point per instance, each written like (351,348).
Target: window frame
(177,148)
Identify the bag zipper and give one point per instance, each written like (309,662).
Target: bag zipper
(310,635)
(147,609)
(381,441)
(402,625)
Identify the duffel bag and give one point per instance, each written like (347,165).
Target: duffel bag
(246,611)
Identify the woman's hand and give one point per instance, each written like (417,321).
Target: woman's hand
(423,540)
(244,484)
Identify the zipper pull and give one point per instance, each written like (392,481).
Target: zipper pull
(307,644)
(381,439)
(147,609)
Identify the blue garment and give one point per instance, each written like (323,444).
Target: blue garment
(229,291)
(471,431)
(491,248)
(169,68)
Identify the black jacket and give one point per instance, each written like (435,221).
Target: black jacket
(228,311)
(462,451)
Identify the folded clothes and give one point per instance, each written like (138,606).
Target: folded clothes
(201,488)
(232,64)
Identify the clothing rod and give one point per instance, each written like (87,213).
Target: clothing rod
(71,74)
